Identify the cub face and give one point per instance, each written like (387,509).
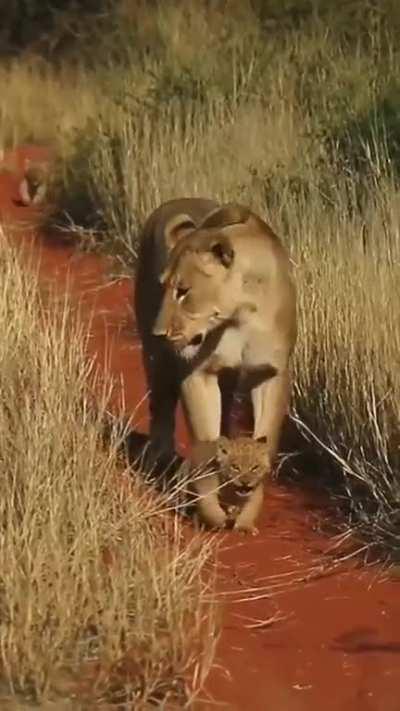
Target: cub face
(243,463)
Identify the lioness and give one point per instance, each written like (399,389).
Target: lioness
(237,469)
(214,291)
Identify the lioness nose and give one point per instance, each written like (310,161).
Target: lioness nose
(196,340)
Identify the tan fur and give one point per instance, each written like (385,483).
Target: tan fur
(236,469)
(214,290)
(33,186)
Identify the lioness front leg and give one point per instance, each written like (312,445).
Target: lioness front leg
(251,510)
(201,398)
(202,402)
(270,404)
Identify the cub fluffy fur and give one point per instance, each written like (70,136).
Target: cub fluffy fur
(214,291)
(236,469)
(33,186)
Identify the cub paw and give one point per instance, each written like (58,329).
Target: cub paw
(214,521)
(219,520)
(246,528)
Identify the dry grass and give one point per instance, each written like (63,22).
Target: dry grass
(347,381)
(99,593)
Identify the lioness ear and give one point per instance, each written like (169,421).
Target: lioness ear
(228,214)
(176,228)
(223,251)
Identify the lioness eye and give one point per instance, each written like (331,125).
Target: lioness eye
(180,293)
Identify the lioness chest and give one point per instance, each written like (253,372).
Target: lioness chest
(229,351)
(241,349)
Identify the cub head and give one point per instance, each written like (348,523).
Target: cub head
(243,462)
(199,292)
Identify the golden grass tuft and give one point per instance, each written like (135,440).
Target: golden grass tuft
(100,594)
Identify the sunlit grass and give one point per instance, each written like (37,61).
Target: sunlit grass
(92,573)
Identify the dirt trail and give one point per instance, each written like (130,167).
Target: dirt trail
(335,641)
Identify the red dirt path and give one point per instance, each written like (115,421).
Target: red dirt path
(335,643)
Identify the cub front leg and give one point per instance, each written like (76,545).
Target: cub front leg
(247,518)
(208,509)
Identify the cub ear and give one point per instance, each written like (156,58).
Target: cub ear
(261,440)
(228,214)
(176,228)
(222,446)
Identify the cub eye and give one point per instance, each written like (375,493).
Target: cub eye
(180,293)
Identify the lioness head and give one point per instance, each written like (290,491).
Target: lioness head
(199,278)
(242,462)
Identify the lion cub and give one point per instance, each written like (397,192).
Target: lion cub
(33,187)
(33,184)
(231,492)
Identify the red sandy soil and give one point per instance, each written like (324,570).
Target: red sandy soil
(315,637)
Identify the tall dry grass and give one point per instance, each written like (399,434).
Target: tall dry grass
(99,594)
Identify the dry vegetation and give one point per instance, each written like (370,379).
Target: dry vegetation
(97,591)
